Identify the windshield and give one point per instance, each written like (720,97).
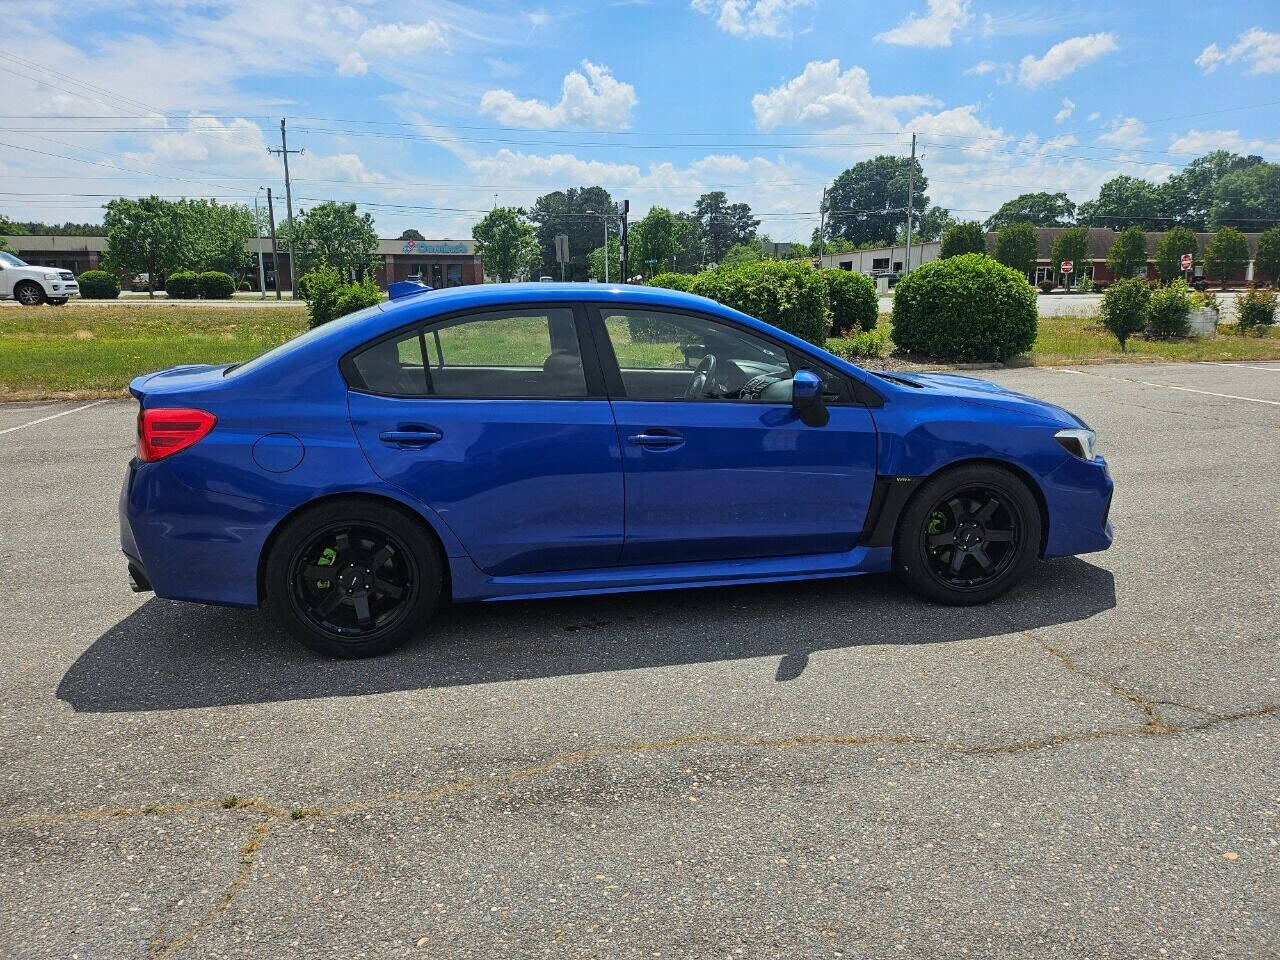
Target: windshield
(10,260)
(302,339)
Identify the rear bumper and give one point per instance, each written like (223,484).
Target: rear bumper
(189,544)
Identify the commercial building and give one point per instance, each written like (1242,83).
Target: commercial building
(883,261)
(438,263)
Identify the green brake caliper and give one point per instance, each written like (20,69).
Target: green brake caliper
(327,556)
(937,520)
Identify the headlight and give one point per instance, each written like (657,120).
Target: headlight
(1082,443)
(52,276)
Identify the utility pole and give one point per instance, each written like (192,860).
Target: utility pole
(626,208)
(284,152)
(822,227)
(605,258)
(275,249)
(911,188)
(257,240)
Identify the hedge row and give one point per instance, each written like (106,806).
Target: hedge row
(98,285)
(210,285)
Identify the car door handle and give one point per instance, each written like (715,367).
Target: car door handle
(656,441)
(411,438)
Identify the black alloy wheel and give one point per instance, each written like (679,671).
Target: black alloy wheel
(354,578)
(968,535)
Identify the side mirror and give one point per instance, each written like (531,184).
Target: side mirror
(806,399)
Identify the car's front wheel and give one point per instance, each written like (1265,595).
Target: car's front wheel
(29,293)
(968,535)
(353,578)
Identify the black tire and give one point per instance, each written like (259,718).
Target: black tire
(29,293)
(377,552)
(968,535)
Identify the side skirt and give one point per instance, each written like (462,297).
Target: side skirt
(470,583)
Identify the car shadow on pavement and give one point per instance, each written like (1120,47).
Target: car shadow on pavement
(170,656)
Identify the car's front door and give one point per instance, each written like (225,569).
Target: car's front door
(717,463)
(495,422)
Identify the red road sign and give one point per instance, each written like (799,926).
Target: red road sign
(1067,266)
(1186,261)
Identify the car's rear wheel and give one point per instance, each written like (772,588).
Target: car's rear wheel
(29,293)
(968,535)
(354,578)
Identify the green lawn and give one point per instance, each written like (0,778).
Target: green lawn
(95,351)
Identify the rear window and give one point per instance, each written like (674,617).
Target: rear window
(301,340)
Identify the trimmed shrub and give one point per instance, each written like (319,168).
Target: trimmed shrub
(1046,286)
(786,293)
(1128,256)
(671,281)
(1256,310)
(852,300)
(961,238)
(182,285)
(214,285)
(1226,255)
(1169,313)
(869,344)
(1169,251)
(329,298)
(244,286)
(966,308)
(1267,259)
(98,285)
(1070,244)
(1125,308)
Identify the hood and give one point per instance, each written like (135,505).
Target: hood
(984,393)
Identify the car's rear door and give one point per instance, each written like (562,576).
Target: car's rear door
(713,476)
(493,419)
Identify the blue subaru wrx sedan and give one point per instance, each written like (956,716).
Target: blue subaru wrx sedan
(533,440)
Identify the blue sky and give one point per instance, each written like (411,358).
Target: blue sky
(423,111)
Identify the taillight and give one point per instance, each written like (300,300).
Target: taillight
(163,431)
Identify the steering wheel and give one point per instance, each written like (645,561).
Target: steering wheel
(703,377)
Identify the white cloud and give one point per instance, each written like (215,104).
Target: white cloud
(1064,58)
(934,29)
(1014,24)
(353,65)
(822,96)
(1258,46)
(753,18)
(402,39)
(1094,116)
(982,67)
(1127,133)
(595,100)
(1068,108)
(1196,142)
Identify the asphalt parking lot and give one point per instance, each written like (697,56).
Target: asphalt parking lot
(1087,768)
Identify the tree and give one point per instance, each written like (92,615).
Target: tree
(508,243)
(931,225)
(1124,202)
(961,238)
(216,235)
(1071,244)
(722,224)
(741,253)
(688,258)
(1017,245)
(868,202)
(1266,261)
(1247,199)
(1128,254)
(579,213)
(1037,209)
(1226,255)
(1189,195)
(1169,251)
(144,236)
(411,234)
(658,241)
(1126,305)
(334,235)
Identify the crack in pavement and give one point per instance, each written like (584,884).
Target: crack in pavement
(163,947)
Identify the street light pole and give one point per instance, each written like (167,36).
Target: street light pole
(257,242)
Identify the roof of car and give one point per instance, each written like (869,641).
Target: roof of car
(461,298)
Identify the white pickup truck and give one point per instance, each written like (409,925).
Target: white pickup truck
(32,286)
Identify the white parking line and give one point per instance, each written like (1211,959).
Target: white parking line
(32,423)
(1250,366)
(1167,386)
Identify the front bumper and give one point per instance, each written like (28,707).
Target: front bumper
(1078,495)
(189,544)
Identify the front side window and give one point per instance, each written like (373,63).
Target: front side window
(509,354)
(673,356)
